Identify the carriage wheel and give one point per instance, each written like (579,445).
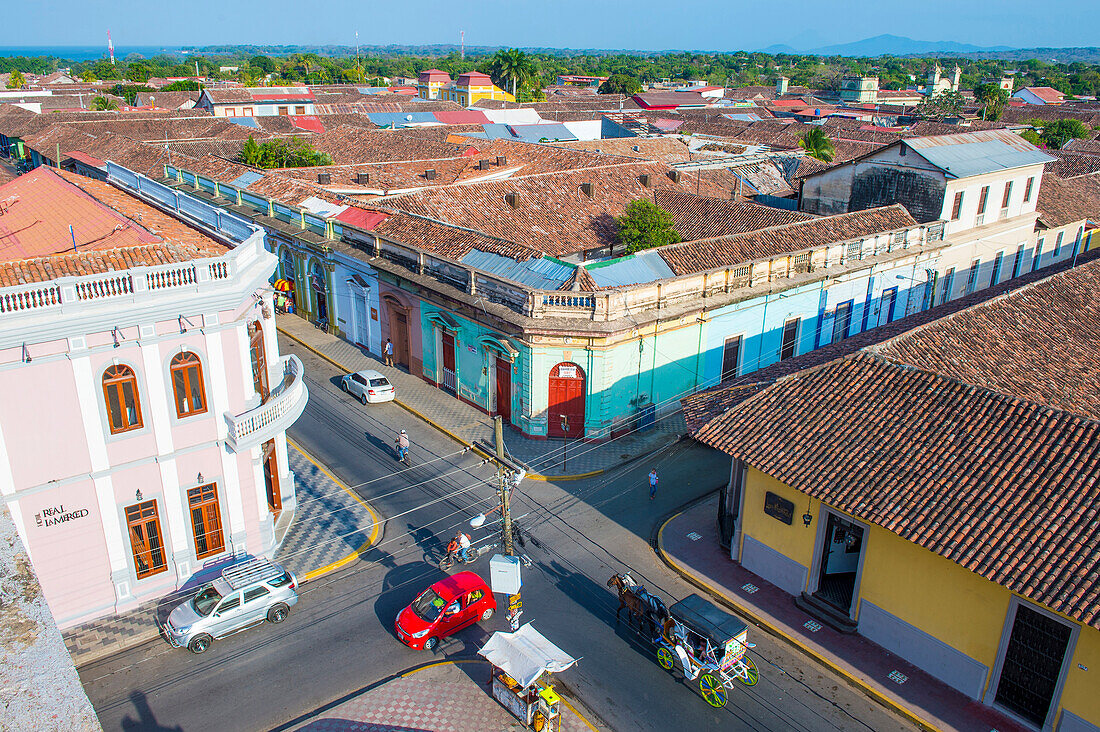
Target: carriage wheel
(664,657)
(752,675)
(714,691)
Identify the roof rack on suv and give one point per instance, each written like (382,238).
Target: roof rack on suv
(247,573)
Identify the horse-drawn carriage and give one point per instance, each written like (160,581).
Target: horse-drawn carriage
(707,643)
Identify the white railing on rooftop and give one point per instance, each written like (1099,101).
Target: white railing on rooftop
(282,407)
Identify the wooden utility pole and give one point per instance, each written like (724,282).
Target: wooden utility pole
(515,603)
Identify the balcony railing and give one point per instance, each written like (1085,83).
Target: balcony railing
(282,407)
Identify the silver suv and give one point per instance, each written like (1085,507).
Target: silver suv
(245,594)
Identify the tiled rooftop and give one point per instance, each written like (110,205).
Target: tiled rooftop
(975,435)
(1065,201)
(704,254)
(701,217)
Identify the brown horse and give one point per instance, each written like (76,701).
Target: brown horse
(641,605)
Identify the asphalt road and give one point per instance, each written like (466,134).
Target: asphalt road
(339,637)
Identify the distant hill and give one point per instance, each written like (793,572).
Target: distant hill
(777,48)
(889,45)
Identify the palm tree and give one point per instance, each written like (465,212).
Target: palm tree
(817,145)
(104,104)
(513,64)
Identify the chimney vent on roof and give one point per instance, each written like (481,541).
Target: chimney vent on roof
(512,199)
(674,175)
(483,165)
(362,178)
(502,160)
(430,173)
(644,179)
(324,178)
(586,189)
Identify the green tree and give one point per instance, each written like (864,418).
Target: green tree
(104,104)
(620,84)
(944,104)
(993,100)
(512,64)
(139,72)
(645,225)
(250,153)
(88,75)
(1056,134)
(263,63)
(16,80)
(818,145)
(1033,137)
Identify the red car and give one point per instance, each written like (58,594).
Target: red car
(443,609)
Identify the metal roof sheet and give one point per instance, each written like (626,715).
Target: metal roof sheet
(243,121)
(541,274)
(975,153)
(400,119)
(536,133)
(630,270)
(244,180)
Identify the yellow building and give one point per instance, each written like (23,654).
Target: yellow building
(936,492)
(472,87)
(430,82)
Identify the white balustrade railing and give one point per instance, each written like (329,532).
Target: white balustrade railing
(282,408)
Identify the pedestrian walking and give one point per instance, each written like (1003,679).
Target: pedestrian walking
(389,352)
(652,483)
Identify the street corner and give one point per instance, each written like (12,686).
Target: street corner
(332,526)
(450,696)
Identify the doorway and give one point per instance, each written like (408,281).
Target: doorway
(259,358)
(1034,658)
(362,334)
(449,380)
(566,404)
(842,547)
(504,389)
(399,333)
(271,478)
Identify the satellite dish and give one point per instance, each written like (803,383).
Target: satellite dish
(477,521)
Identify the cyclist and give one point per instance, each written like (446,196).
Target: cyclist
(402,443)
(463,542)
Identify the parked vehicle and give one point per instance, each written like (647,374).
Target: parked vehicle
(246,594)
(443,609)
(368,386)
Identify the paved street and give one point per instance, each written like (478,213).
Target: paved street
(338,639)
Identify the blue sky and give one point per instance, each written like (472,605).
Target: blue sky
(643,24)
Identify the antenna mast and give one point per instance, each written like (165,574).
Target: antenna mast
(462,46)
(110,48)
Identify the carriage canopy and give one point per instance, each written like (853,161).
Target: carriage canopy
(707,620)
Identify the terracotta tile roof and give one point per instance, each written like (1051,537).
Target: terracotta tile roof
(43,269)
(1070,164)
(446,240)
(662,149)
(347,144)
(1089,147)
(229,96)
(701,217)
(166,100)
(551,213)
(1046,93)
(705,254)
(1025,112)
(926,437)
(1065,201)
(980,478)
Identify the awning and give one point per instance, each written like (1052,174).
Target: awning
(358,281)
(443,320)
(525,655)
(500,344)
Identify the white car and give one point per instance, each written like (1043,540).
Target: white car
(368,385)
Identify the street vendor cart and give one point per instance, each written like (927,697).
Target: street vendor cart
(708,644)
(521,664)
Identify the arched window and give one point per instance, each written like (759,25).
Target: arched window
(121,394)
(288,265)
(187,385)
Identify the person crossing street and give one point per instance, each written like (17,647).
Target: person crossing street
(652,484)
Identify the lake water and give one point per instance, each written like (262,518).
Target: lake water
(86,53)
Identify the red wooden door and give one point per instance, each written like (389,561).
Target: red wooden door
(504,389)
(449,381)
(566,400)
(400,328)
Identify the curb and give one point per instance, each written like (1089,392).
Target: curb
(105,652)
(873,693)
(433,423)
(376,521)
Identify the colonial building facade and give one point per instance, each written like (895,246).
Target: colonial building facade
(142,429)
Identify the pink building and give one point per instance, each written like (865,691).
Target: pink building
(144,407)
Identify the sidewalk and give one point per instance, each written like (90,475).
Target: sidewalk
(330,527)
(468,425)
(689,543)
(443,697)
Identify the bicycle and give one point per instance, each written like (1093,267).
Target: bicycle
(454,556)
